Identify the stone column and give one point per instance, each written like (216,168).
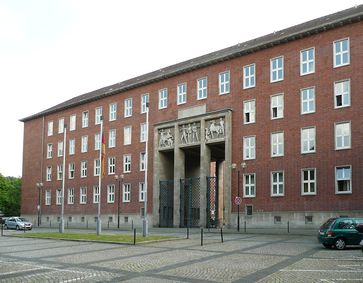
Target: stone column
(205,158)
(156,176)
(179,173)
(228,168)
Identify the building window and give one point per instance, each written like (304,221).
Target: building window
(277,144)
(277,69)
(307,97)
(126,196)
(83,195)
(249,109)
(277,183)
(60,125)
(49,150)
(143,132)
(111,165)
(59,172)
(50,128)
(277,106)
(97,141)
(249,185)
(96,167)
(112,138)
(128,107)
(71,196)
(84,144)
(141,192)
(72,146)
(96,194)
(127,163)
(48,197)
(343,179)
(98,115)
(249,147)
(163,98)
(308,140)
(71,170)
(202,88)
(249,77)
(249,209)
(277,219)
(142,161)
(182,93)
(341,52)
(342,94)
(144,101)
(127,135)
(110,193)
(60,149)
(85,119)
(72,122)
(307,61)
(58,199)
(224,82)
(49,173)
(342,135)
(308,182)
(112,112)
(83,169)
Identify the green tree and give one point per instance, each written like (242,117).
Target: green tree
(10,195)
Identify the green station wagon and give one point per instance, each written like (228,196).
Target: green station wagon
(339,232)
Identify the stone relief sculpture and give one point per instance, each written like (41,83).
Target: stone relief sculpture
(166,138)
(214,129)
(189,133)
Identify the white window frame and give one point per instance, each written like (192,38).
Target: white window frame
(71,170)
(144,101)
(342,88)
(126,192)
(84,144)
(249,147)
(112,113)
(85,119)
(72,147)
(143,132)
(163,98)
(308,138)
(83,195)
(112,138)
(72,122)
(49,150)
(60,172)
(96,194)
(70,196)
(127,135)
(60,149)
(127,163)
(275,144)
(308,62)
(48,197)
(341,53)
(277,69)
(277,102)
(249,76)
(345,178)
(342,137)
(111,165)
(310,98)
(98,115)
(111,193)
(202,88)
(249,188)
(50,128)
(142,161)
(141,191)
(97,141)
(224,82)
(96,167)
(58,197)
(278,183)
(49,174)
(60,125)
(128,107)
(181,93)
(309,182)
(249,108)
(83,168)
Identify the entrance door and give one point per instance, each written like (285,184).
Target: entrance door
(189,202)
(166,201)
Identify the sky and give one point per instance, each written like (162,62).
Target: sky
(53,50)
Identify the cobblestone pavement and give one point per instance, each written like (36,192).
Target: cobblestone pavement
(240,258)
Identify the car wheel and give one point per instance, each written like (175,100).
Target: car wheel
(340,244)
(17,227)
(327,246)
(6,227)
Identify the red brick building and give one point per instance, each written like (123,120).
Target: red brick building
(276,120)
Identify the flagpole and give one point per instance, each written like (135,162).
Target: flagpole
(145,224)
(61,228)
(99,224)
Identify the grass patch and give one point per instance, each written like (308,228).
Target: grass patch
(119,238)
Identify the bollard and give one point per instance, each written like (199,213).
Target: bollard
(245,228)
(87,224)
(187,232)
(288,227)
(201,236)
(221,234)
(108,225)
(134,236)
(132,224)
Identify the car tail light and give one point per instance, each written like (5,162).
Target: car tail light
(330,233)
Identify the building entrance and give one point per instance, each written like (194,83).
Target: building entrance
(166,203)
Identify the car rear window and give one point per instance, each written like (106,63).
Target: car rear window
(327,224)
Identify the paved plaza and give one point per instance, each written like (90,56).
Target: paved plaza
(240,258)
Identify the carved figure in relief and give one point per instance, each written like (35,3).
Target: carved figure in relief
(189,133)
(214,129)
(166,139)
(184,137)
(195,135)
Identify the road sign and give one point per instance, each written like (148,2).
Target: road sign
(237,200)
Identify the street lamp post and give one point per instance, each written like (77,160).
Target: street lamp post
(243,165)
(61,228)
(145,224)
(39,186)
(120,180)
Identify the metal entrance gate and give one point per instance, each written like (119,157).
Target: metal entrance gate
(189,202)
(212,202)
(166,200)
